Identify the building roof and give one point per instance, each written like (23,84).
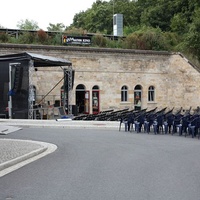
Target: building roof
(39,60)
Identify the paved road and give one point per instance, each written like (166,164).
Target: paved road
(106,165)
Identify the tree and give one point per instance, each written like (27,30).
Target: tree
(128,9)
(78,20)
(28,25)
(192,39)
(158,15)
(59,27)
(99,19)
(96,19)
(179,24)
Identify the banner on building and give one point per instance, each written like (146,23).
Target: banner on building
(76,40)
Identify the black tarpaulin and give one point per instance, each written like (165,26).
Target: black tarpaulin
(39,60)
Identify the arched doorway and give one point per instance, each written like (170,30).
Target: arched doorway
(138,97)
(82,99)
(95,99)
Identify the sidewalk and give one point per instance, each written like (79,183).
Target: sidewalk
(17,153)
(64,123)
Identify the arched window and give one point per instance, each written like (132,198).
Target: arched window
(138,87)
(96,87)
(151,93)
(124,93)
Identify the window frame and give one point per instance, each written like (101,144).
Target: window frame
(124,93)
(151,94)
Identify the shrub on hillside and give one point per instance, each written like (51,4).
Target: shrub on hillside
(42,37)
(27,38)
(4,37)
(99,40)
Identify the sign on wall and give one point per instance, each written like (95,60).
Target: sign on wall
(76,40)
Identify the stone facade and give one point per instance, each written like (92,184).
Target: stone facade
(174,78)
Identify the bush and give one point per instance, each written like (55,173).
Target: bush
(56,40)
(75,31)
(114,43)
(27,38)
(146,39)
(99,40)
(4,37)
(131,42)
(172,40)
(42,37)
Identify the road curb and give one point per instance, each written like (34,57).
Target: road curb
(22,158)
(20,161)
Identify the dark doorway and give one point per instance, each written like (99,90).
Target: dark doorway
(80,98)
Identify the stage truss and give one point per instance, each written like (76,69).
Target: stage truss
(67,76)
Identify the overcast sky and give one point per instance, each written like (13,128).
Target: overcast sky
(41,11)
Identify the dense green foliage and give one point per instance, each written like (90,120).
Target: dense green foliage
(56,27)
(28,25)
(148,24)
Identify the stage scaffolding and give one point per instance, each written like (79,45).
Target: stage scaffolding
(31,90)
(68,84)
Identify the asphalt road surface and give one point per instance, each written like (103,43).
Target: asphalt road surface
(106,165)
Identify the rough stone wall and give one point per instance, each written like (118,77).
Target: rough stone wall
(174,78)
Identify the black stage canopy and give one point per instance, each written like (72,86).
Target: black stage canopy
(14,80)
(39,60)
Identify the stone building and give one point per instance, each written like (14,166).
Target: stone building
(115,78)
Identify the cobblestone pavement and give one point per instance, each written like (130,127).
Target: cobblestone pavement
(12,149)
